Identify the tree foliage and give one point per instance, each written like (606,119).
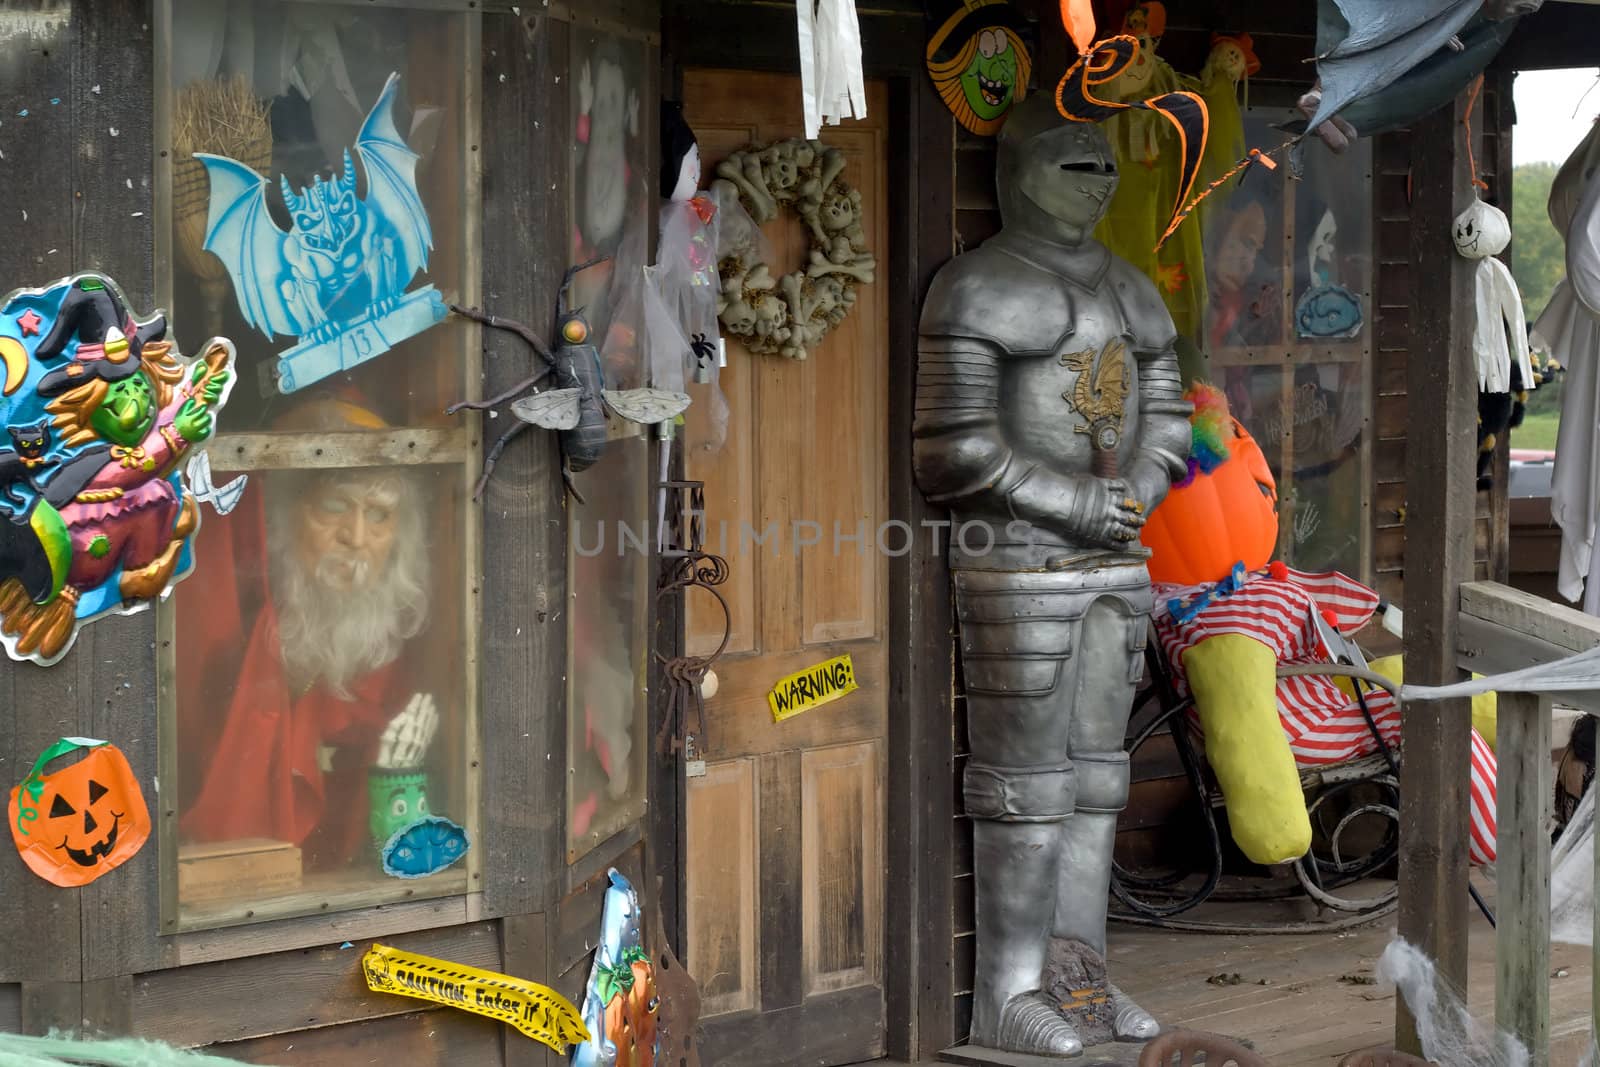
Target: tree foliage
(1538,254)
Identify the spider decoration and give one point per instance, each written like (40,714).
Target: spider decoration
(578,407)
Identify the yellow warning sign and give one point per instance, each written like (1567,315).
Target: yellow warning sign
(540,1012)
(812,687)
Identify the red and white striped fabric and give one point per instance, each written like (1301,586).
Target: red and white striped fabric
(1322,722)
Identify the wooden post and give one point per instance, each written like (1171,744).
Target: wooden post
(1441,381)
(1522,862)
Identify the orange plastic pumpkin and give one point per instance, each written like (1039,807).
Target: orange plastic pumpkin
(1202,529)
(77,823)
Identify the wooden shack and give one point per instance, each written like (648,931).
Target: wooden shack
(814,875)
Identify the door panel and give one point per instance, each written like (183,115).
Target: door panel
(785,861)
(722,808)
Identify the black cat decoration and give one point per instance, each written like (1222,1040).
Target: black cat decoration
(25,460)
(1500,413)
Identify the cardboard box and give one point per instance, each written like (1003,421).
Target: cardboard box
(237,870)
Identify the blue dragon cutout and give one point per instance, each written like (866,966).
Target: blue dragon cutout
(425,847)
(337,279)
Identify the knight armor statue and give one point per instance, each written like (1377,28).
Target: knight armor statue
(1050,420)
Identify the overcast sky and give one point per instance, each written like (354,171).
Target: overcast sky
(1547,128)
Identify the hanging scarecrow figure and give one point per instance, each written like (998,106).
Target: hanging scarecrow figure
(135,413)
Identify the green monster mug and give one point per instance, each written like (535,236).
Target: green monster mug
(398,798)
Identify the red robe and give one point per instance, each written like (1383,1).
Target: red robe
(249,750)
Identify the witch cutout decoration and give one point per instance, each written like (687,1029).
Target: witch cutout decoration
(979,62)
(337,278)
(101,417)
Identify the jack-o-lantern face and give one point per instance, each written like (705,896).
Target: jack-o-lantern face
(77,823)
(631,1012)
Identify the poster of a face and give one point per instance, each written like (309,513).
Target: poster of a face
(610,192)
(1244,272)
(1332,247)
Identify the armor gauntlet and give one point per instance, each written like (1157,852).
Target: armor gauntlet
(1164,434)
(961,454)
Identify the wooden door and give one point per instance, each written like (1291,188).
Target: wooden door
(785,866)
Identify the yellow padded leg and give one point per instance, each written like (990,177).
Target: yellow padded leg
(1485,708)
(1234,682)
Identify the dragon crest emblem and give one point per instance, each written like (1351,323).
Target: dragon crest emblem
(336,279)
(1100,391)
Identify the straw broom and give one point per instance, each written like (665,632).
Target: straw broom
(223,117)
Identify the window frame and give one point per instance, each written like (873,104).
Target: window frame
(457,446)
(1295,351)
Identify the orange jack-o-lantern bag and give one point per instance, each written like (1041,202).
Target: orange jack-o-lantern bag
(77,823)
(1224,512)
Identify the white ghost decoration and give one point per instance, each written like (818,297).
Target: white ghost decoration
(1481,232)
(831,81)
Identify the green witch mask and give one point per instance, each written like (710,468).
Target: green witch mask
(979,63)
(991,78)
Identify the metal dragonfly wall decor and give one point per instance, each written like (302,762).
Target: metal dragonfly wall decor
(579,404)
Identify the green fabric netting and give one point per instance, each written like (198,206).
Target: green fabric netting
(17,1050)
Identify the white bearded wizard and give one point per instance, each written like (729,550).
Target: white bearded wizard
(302,682)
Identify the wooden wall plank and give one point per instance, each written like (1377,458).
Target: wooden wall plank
(1438,557)
(311,988)
(1522,862)
(525,952)
(524,632)
(10,1008)
(921,675)
(51,1005)
(440,1037)
(113,149)
(38,705)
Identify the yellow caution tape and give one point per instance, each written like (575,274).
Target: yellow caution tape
(812,687)
(536,1010)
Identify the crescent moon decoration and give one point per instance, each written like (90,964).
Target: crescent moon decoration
(15,358)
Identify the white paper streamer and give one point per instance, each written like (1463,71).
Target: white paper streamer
(1575,673)
(832,84)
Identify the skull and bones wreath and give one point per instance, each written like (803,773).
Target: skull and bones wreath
(790,315)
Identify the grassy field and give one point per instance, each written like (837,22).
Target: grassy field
(1538,431)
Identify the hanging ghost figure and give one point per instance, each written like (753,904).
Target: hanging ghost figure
(1482,232)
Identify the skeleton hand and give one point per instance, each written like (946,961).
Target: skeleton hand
(1109,514)
(408,735)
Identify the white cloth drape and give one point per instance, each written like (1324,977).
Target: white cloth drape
(1570,329)
(831,80)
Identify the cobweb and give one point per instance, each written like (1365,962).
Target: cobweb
(1450,1036)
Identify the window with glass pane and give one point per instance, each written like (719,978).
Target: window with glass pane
(1288,330)
(607,740)
(321,665)
(609,564)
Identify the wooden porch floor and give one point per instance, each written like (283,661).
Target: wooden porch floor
(1309,999)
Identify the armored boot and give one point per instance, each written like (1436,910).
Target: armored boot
(1016,855)
(1111,662)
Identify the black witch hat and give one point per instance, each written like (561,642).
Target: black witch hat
(959,22)
(676,141)
(110,342)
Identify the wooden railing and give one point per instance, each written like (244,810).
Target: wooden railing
(1502,629)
